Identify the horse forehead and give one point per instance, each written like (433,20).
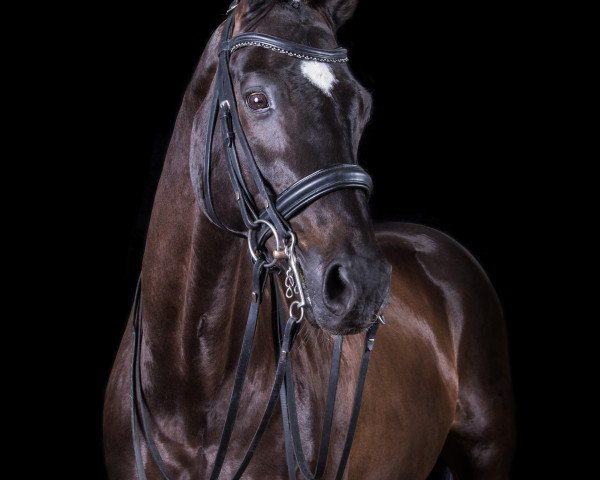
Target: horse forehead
(319,74)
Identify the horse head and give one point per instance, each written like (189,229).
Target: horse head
(297,115)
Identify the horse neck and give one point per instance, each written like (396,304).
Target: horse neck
(195,277)
(196,283)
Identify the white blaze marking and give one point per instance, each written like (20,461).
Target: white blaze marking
(320,75)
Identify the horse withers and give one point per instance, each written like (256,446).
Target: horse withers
(264,154)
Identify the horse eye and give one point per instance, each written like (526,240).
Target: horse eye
(257,101)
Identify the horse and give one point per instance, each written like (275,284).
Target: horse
(261,182)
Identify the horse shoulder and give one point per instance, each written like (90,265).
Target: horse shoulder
(438,278)
(440,270)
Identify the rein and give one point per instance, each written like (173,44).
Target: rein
(261,224)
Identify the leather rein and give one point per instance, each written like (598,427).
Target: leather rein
(261,224)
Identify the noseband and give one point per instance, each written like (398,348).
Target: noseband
(262,223)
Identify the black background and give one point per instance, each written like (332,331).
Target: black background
(457,118)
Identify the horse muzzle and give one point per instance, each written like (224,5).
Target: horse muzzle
(348,293)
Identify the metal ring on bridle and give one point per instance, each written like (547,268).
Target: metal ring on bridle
(253,252)
(296,304)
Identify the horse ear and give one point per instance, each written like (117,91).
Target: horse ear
(340,10)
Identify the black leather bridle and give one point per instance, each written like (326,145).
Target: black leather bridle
(261,224)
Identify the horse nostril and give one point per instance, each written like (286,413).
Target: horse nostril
(334,283)
(338,290)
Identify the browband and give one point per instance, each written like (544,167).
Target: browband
(297,50)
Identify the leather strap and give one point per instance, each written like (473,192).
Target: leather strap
(277,335)
(314,186)
(362,375)
(135,435)
(304,52)
(319,184)
(282,363)
(233,130)
(137,398)
(258,277)
(292,415)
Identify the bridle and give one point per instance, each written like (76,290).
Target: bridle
(272,220)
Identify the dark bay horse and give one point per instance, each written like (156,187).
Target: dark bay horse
(438,382)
